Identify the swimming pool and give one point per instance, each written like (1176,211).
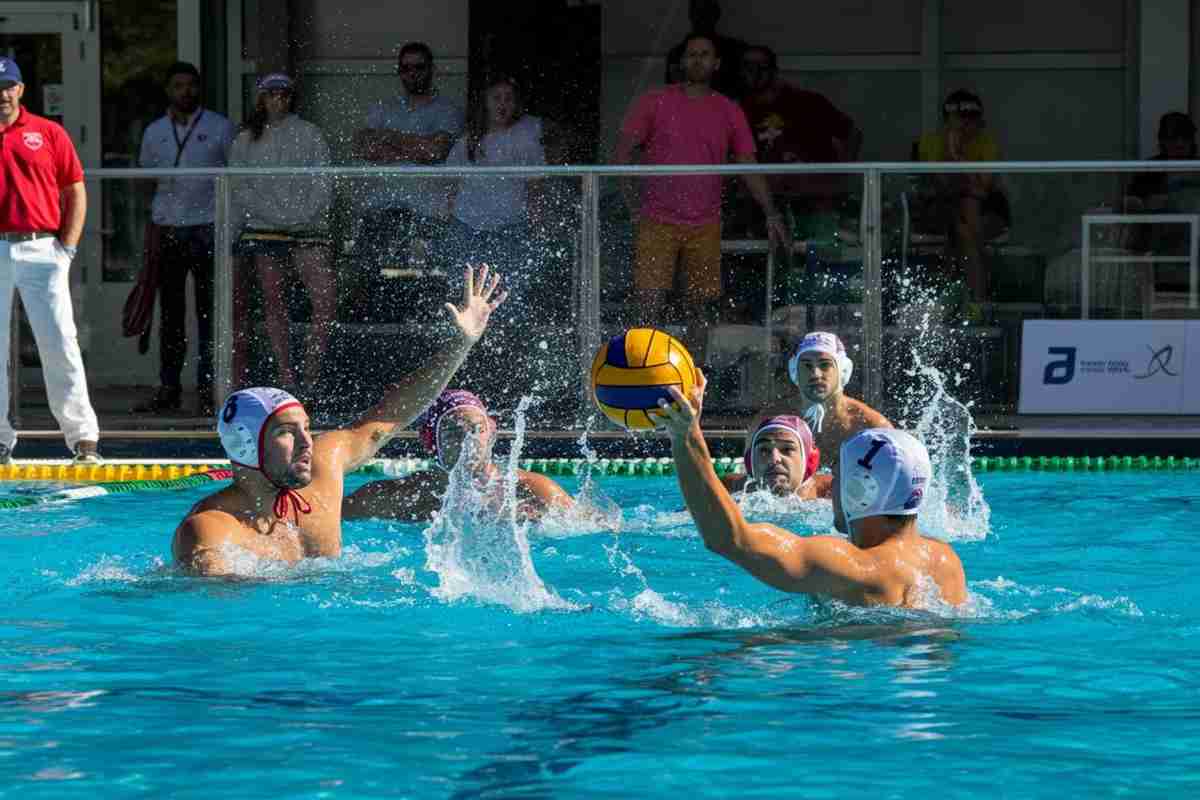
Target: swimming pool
(606,664)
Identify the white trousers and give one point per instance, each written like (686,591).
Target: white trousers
(40,271)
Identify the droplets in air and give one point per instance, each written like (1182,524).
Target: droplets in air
(478,545)
(954,505)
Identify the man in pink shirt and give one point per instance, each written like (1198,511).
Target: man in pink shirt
(679,216)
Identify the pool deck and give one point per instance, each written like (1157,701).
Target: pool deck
(187,435)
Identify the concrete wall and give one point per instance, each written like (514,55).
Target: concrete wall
(346,55)
(1028,58)
(356,29)
(1058,77)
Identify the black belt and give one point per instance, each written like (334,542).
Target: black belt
(25,236)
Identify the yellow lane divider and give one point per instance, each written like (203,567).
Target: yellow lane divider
(107,472)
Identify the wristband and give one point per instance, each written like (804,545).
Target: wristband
(70,250)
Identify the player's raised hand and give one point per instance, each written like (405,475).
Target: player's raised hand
(480,299)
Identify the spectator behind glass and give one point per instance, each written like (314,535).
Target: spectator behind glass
(41,219)
(679,216)
(704,16)
(796,126)
(418,126)
(970,206)
(285,222)
(490,215)
(189,135)
(1162,191)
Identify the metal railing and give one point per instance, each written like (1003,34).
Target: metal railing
(589,272)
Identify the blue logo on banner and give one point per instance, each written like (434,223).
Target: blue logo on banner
(1061,371)
(1160,361)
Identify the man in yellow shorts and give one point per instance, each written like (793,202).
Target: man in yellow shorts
(679,216)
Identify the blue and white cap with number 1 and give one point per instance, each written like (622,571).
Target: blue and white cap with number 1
(243,419)
(883,471)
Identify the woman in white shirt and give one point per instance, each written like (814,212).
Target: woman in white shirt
(284,223)
(490,223)
(490,213)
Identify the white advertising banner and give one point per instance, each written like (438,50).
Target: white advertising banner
(1110,367)
(1191,366)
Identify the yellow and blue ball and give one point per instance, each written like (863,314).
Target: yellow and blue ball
(633,370)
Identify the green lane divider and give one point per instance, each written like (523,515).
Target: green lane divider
(631,467)
(1082,463)
(655,467)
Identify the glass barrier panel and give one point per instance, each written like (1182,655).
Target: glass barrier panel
(343,311)
(137,313)
(969,258)
(736,300)
(336,285)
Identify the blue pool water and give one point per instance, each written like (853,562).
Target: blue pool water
(629,664)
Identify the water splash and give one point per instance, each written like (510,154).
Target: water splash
(788,511)
(954,504)
(1034,600)
(479,547)
(116,569)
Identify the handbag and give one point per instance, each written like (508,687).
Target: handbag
(137,317)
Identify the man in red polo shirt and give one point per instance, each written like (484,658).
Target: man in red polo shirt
(42,208)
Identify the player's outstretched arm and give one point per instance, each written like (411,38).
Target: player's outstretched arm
(813,565)
(413,393)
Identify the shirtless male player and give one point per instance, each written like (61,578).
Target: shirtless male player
(456,427)
(880,487)
(286,499)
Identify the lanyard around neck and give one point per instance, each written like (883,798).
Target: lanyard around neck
(187,134)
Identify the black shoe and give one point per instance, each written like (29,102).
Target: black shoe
(166,398)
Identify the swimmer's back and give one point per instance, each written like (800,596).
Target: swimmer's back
(907,564)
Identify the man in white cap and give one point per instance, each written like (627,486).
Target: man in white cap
(820,368)
(285,503)
(880,487)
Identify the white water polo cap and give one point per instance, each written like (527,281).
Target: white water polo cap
(828,344)
(823,343)
(242,422)
(883,471)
